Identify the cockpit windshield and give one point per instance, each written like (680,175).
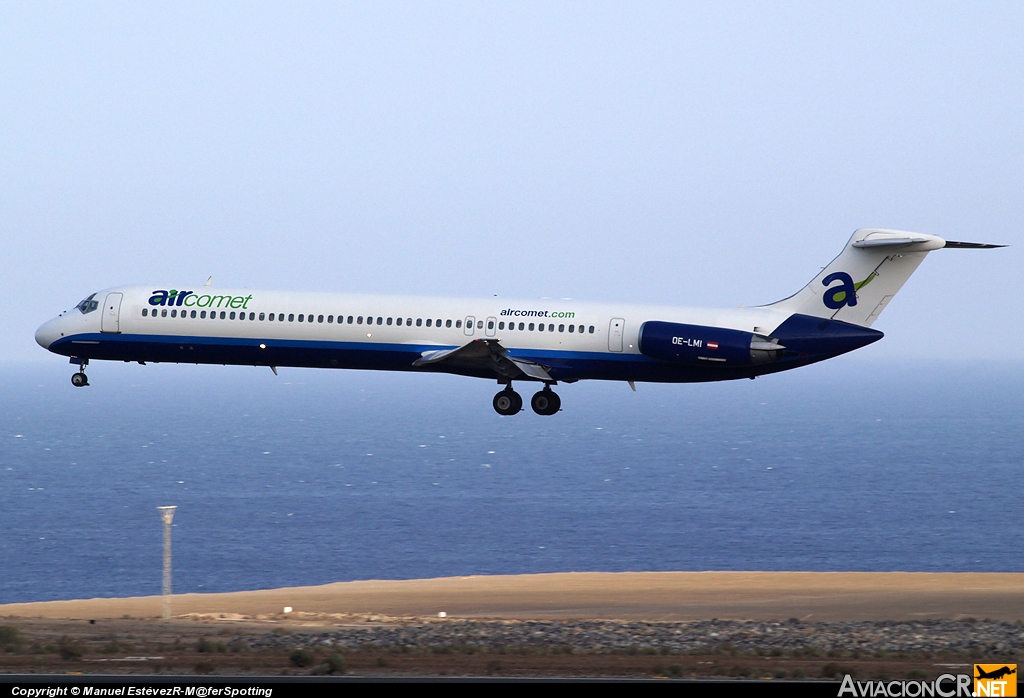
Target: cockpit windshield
(88,305)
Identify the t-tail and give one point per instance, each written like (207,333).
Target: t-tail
(858,284)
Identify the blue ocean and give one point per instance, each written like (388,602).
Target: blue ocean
(320,476)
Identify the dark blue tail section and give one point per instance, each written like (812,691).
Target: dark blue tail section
(812,338)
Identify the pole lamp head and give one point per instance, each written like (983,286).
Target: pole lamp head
(167,514)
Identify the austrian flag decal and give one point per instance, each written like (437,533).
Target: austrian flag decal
(712,345)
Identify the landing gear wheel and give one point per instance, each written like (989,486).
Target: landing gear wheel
(546,402)
(508,402)
(79,380)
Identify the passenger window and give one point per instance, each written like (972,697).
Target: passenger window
(291,317)
(202,315)
(501,325)
(458,323)
(447,323)
(261,316)
(380,321)
(429,321)
(570,328)
(319,318)
(163,313)
(551,328)
(540,327)
(490,324)
(252,316)
(389,321)
(359,320)
(561,328)
(408,321)
(192,314)
(349,319)
(531,326)
(398,321)
(521,326)
(419,322)
(591,329)
(232,316)
(145,312)
(479,324)
(330,319)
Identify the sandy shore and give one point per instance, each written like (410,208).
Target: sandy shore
(813,596)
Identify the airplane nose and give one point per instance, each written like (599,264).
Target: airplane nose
(47,333)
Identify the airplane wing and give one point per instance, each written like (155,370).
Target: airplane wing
(485,353)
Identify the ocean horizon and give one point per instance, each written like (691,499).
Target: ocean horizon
(312,477)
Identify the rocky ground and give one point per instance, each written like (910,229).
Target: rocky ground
(322,643)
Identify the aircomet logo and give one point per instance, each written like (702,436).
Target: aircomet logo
(537,313)
(846,292)
(190,300)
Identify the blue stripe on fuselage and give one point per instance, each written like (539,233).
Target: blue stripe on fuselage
(246,351)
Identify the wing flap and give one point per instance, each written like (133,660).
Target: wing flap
(531,369)
(488,354)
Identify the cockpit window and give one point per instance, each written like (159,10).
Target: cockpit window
(88,305)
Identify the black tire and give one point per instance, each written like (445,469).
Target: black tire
(546,403)
(517,407)
(507,402)
(79,380)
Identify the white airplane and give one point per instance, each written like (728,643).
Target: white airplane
(543,341)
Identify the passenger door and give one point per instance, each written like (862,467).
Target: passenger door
(111,321)
(615,328)
(492,324)
(470,325)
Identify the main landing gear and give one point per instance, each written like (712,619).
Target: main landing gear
(80,380)
(546,402)
(509,402)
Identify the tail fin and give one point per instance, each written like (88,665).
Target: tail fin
(856,286)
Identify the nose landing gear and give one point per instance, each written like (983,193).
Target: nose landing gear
(80,380)
(546,402)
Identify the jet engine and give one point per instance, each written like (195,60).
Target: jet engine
(708,346)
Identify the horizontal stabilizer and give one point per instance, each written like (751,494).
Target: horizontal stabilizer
(889,241)
(971,245)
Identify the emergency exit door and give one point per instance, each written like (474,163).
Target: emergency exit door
(615,328)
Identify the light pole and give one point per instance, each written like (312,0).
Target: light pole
(167,514)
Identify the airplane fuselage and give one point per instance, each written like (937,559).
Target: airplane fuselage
(573,340)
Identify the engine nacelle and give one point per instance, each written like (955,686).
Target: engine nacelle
(707,346)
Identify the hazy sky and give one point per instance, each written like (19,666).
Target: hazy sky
(687,154)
